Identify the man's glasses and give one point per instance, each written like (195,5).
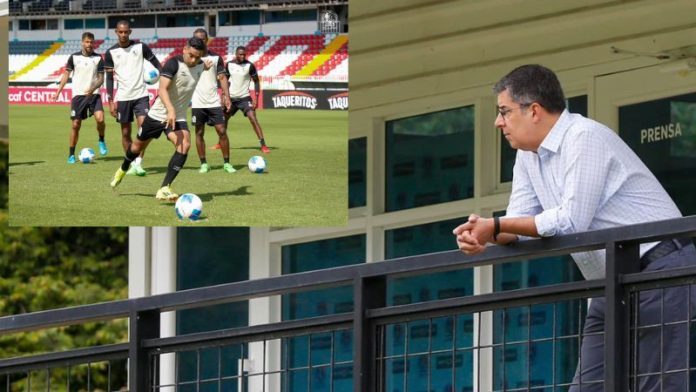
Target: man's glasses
(505,111)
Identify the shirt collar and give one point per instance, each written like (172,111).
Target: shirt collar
(554,138)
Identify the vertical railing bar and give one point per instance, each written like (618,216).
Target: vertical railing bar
(529,346)
(662,342)
(309,364)
(621,258)
(553,349)
(430,351)
(219,368)
(503,348)
(263,368)
(454,353)
(406,356)
(331,361)
(198,370)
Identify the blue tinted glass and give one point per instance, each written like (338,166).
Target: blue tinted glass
(439,336)
(357,172)
(73,24)
(204,259)
(430,159)
(663,134)
(316,350)
(95,23)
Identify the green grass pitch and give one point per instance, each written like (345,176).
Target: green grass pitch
(305,183)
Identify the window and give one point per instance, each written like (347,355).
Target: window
(507,154)
(532,333)
(24,24)
(291,16)
(136,21)
(408,342)
(94,23)
(180,20)
(663,134)
(73,24)
(311,256)
(239,18)
(52,24)
(206,257)
(357,172)
(429,159)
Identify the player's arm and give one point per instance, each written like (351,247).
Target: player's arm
(109,68)
(150,56)
(224,84)
(257,88)
(96,84)
(63,81)
(171,67)
(69,66)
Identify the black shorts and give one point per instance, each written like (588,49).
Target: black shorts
(125,109)
(210,116)
(245,104)
(152,129)
(84,106)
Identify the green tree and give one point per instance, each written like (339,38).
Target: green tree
(49,268)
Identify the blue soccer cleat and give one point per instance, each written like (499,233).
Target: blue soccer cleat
(102,148)
(71,159)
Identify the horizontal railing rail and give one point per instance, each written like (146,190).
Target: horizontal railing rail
(370,308)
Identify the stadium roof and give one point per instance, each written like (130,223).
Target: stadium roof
(110,7)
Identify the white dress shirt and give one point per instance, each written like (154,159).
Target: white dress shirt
(584,177)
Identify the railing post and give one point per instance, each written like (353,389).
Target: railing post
(368,293)
(143,325)
(621,259)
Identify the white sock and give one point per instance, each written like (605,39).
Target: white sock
(138,161)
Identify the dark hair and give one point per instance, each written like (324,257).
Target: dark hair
(533,83)
(123,22)
(240,48)
(196,43)
(200,30)
(87,34)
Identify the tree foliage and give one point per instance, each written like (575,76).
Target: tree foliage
(45,268)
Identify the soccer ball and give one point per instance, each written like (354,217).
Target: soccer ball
(188,206)
(256,164)
(86,155)
(151,76)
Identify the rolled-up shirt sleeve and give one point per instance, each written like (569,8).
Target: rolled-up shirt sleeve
(523,199)
(584,180)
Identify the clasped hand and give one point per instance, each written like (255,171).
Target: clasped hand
(473,235)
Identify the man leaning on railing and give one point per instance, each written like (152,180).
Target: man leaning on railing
(573,174)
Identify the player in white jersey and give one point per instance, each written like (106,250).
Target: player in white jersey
(206,107)
(241,72)
(179,77)
(87,68)
(124,61)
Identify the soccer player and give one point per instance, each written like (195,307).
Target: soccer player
(125,60)
(241,72)
(179,77)
(206,106)
(87,68)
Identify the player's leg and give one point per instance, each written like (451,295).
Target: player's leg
(199,117)
(97,109)
(138,164)
(101,127)
(151,129)
(182,142)
(224,142)
(74,136)
(251,115)
(200,148)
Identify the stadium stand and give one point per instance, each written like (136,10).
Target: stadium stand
(317,57)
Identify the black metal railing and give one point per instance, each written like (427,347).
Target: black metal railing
(359,350)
